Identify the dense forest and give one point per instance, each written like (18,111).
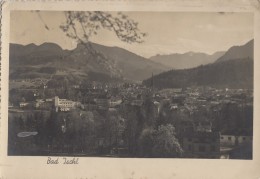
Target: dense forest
(236,73)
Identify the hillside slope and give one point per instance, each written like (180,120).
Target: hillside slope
(236,73)
(32,61)
(238,52)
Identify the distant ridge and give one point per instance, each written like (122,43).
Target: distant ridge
(229,71)
(186,60)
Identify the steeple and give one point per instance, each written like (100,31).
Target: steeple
(152,83)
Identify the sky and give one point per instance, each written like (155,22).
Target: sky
(168,32)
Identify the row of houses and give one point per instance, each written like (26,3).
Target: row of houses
(198,144)
(66,105)
(47,104)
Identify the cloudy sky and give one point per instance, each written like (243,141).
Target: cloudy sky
(168,32)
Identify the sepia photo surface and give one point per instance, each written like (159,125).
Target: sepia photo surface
(116,84)
(110,92)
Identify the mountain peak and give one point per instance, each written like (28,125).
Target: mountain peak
(49,44)
(31,45)
(239,52)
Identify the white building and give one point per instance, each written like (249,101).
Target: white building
(23,104)
(63,104)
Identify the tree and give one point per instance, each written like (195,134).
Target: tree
(164,114)
(146,142)
(30,122)
(114,126)
(81,26)
(149,112)
(40,120)
(165,142)
(73,127)
(52,127)
(132,130)
(87,131)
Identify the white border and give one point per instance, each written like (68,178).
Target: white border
(114,168)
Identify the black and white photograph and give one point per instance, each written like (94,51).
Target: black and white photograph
(131,84)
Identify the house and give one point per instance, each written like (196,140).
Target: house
(23,104)
(114,101)
(236,147)
(44,105)
(49,99)
(38,103)
(234,140)
(201,144)
(173,106)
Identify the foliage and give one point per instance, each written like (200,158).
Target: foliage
(166,144)
(81,26)
(146,142)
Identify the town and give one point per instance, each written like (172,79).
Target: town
(128,120)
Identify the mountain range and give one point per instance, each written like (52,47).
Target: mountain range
(32,61)
(233,70)
(186,60)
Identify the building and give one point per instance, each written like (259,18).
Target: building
(233,140)
(38,103)
(115,101)
(43,104)
(236,147)
(201,144)
(49,99)
(63,104)
(23,104)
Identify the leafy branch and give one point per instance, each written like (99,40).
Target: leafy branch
(81,26)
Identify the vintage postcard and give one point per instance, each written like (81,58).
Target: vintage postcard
(127,89)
